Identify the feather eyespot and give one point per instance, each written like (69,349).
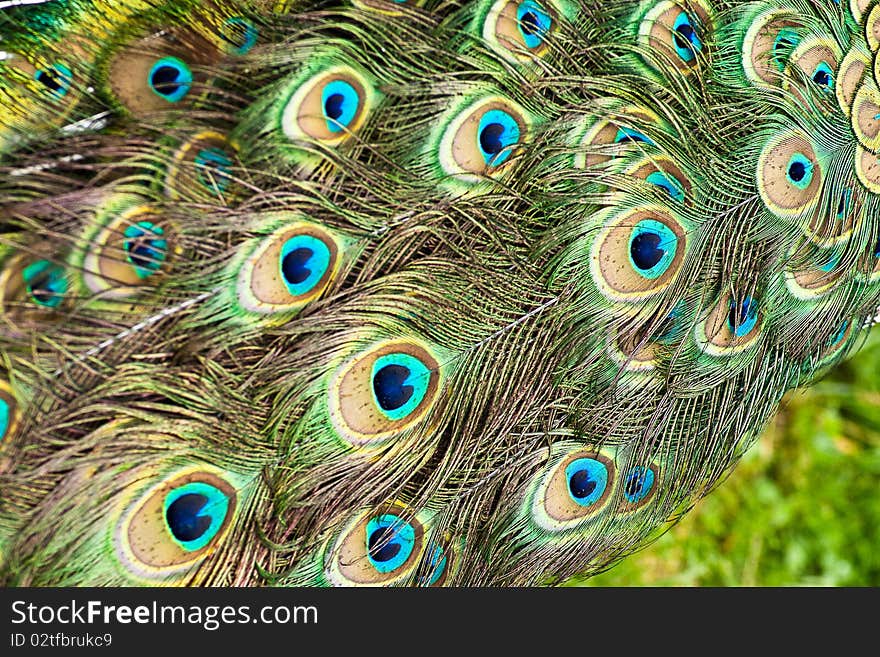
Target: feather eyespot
(810,282)
(676,32)
(601,140)
(287,269)
(836,343)
(812,67)
(161,71)
(176,523)
(57,80)
(573,490)
(733,325)
(10,414)
(45,282)
(383,391)
(784,44)
(202,168)
(239,35)
(789,175)
(639,253)
(664,174)
(834,221)
(519,28)
(768,45)
(638,484)
(34,288)
(170,78)
(481,139)
(377,548)
(213,166)
(439,562)
(129,247)
(328,107)
(742,316)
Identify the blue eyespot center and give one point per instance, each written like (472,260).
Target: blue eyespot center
(587,480)
(498,133)
(340,102)
(303,263)
(145,248)
(799,171)
(5,412)
(534,23)
(638,484)
(839,336)
(240,35)
(652,248)
(437,565)
(783,45)
(213,167)
(685,39)
(45,283)
(843,205)
(823,76)
(171,79)
(195,513)
(742,317)
(400,384)
(57,80)
(631,135)
(670,185)
(390,542)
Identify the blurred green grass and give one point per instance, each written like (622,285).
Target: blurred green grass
(801,509)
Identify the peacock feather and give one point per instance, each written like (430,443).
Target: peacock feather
(418,292)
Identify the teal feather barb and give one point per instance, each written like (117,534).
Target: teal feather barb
(418,293)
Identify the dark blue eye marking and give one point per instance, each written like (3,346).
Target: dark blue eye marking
(837,338)
(241,35)
(831,263)
(742,317)
(534,23)
(341,102)
(303,263)
(668,184)
(390,542)
(497,133)
(45,282)
(400,383)
(844,204)
(437,565)
(638,484)
(57,80)
(685,38)
(587,480)
(652,247)
(631,135)
(194,514)
(5,412)
(213,167)
(799,171)
(823,76)
(145,248)
(170,78)
(786,41)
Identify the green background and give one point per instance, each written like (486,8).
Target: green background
(801,509)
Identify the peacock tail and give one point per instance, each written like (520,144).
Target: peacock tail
(428,292)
